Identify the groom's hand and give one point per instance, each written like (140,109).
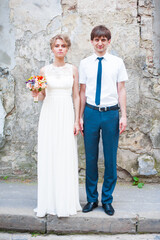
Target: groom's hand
(122,124)
(81,126)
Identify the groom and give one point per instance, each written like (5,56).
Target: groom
(102,88)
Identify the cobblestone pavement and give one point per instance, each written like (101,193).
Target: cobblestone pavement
(27,236)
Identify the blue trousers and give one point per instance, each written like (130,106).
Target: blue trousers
(108,123)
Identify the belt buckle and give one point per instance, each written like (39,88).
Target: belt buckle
(104,109)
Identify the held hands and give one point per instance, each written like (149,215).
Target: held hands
(122,124)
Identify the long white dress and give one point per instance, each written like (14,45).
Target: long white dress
(58,192)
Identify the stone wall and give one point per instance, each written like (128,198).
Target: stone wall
(25,30)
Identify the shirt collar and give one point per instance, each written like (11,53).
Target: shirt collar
(105,56)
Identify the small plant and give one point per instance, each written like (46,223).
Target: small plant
(137,182)
(35,234)
(5,178)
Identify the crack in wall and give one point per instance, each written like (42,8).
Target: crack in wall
(11,112)
(139,19)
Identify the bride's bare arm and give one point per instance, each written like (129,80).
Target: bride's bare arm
(76,100)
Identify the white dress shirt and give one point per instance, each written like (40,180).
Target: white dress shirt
(113,71)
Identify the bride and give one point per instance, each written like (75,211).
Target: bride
(58,191)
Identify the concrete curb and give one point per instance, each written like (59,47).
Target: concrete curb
(78,224)
(90,225)
(149,226)
(22,223)
(53,224)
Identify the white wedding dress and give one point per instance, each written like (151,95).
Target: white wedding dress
(58,191)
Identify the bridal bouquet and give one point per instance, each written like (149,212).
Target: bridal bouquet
(36,83)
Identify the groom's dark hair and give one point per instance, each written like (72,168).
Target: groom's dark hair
(100,31)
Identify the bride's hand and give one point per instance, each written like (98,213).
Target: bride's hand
(76,128)
(34,93)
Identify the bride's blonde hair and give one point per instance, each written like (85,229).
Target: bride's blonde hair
(63,37)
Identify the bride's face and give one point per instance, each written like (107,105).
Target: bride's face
(60,48)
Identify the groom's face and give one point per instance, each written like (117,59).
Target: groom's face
(100,45)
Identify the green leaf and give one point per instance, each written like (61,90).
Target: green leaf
(134,183)
(35,234)
(136,179)
(140,185)
(5,178)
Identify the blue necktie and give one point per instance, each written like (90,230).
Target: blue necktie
(99,75)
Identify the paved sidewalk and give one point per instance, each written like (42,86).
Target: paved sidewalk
(27,236)
(136,211)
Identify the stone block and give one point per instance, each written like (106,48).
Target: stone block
(22,223)
(90,225)
(146,165)
(145,3)
(155,134)
(149,226)
(145,11)
(146,28)
(135,141)
(156,154)
(127,160)
(152,85)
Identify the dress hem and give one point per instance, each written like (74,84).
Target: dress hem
(55,214)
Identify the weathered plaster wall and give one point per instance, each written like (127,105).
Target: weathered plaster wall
(156,32)
(135,38)
(7,46)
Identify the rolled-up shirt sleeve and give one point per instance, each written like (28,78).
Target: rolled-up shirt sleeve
(122,73)
(82,74)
